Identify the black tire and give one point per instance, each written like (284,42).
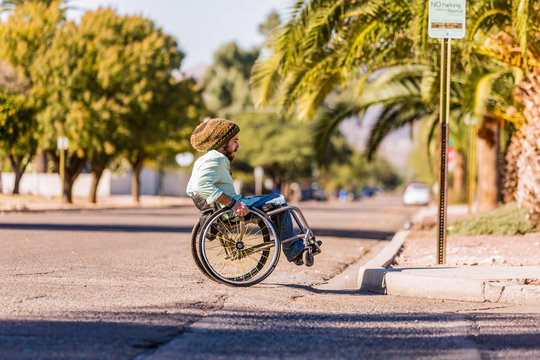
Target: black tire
(238,251)
(195,253)
(307,257)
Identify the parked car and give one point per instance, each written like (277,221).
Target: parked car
(369,191)
(312,194)
(416,193)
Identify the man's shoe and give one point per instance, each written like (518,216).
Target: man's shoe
(298,260)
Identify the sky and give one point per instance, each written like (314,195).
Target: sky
(199,26)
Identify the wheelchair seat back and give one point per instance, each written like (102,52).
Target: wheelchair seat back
(202,205)
(205,210)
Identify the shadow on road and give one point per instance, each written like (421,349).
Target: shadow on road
(96,227)
(355,234)
(265,334)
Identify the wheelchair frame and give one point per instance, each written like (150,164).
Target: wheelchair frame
(234,239)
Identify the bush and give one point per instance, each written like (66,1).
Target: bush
(505,220)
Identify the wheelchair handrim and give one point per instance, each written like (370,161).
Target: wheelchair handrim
(255,275)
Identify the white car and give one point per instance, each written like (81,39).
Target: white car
(416,193)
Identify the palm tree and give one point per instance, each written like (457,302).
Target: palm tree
(325,44)
(329,45)
(528,162)
(511,36)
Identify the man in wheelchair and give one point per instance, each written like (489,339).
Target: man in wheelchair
(211,182)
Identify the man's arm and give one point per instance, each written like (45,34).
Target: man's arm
(239,207)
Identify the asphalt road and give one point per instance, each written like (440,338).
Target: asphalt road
(121,284)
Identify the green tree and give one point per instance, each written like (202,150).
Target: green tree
(226,81)
(24,36)
(282,148)
(272,22)
(107,84)
(495,26)
(17,133)
(507,31)
(163,129)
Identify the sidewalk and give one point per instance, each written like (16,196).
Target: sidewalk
(496,284)
(21,203)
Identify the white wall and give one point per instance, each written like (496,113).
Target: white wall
(174,183)
(50,184)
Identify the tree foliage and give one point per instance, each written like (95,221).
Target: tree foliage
(106,83)
(18,138)
(25,35)
(283,149)
(226,81)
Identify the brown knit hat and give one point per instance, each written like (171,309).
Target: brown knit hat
(213,134)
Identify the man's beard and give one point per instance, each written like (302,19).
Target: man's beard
(230,154)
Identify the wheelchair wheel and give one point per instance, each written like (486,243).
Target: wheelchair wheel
(195,253)
(238,251)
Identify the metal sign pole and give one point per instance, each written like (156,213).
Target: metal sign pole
(446,20)
(444,114)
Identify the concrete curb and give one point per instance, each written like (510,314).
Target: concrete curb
(371,275)
(478,284)
(15,204)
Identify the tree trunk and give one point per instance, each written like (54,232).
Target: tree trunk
(18,164)
(459,174)
(511,172)
(73,167)
(136,167)
(488,160)
(97,172)
(528,162)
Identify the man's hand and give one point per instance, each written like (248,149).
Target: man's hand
(240,208)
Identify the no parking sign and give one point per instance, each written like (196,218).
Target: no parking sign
(446,19)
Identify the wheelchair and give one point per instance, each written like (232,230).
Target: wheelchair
(244,250)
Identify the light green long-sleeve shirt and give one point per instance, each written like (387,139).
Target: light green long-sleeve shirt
(211,177)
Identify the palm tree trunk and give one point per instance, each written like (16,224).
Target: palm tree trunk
(488,161)
(459,174)
(511,173)
(528,162)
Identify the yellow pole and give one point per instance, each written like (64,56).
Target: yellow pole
(62,173)
(444,115)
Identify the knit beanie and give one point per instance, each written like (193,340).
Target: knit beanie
(213,134)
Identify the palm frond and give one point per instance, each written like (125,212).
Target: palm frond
(392,118)
(265,79)
(308,79)
(420,9)
(520,16)
(326,123)
(480,90)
